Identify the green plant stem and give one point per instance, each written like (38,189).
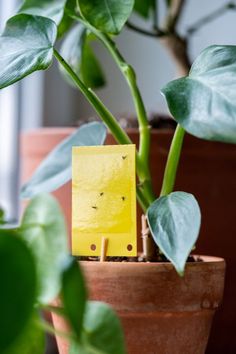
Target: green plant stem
(142,200)
(144,128)
(130,77)
(49,329)
(110,121)
(172,161)
(55,309)
(106,116)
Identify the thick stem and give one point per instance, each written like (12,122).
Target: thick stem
(144,128)
(172,161)
(110,121)
(173,15)
(178,49)
(176,45)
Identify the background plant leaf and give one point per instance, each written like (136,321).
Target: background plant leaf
(31,341)
(108,16)
(143,7)
(43,228)
(77,52)
(66,21)
(53,9)
(18,287)
(91,71)
(26,45)
(55,170)
(102,331)
(74,295)
(174,221)
(204,102)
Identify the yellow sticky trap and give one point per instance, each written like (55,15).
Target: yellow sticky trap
(104,200)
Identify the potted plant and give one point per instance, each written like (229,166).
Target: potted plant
(35,267)
(176,228)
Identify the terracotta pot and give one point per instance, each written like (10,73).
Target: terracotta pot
(161,313)
(208,170)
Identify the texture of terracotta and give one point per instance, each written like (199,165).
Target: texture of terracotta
(208,170)
(161,313)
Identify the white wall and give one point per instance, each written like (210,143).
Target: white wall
(151,62)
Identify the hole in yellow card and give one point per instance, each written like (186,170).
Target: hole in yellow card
(104,200)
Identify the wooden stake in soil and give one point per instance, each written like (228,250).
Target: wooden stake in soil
(148,249)
(104,249)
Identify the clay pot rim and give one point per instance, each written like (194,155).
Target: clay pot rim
(207,260)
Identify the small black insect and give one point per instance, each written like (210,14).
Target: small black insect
(94,207)
(101,194)
(123,198)
(124,157)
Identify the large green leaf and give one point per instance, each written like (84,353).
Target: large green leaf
(204,102)
(143,7)
(108,16)
(55,170)
(43,228)
(18,287)
(53,9)
(102,332)
(31,341)
(66,21)
(74,295)
(174,221)
(77,52)
(26,45)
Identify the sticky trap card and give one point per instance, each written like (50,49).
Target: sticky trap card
(104,200)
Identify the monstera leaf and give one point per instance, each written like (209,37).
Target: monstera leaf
(53,9)
(43,229)
(204,102)
(26,45)
(55,170)
(102,331)
(74,295)
(174,222)
(77,52)
(108,16)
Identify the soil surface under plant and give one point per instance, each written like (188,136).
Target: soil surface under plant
(159,259)
(156,121)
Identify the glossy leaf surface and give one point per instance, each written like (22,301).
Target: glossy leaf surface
(44,230)
(18,287)
(53,9)
(204,102)
(174,221)
(26,45)
(74,295)
(102,332)
(55,170)
(108,16)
